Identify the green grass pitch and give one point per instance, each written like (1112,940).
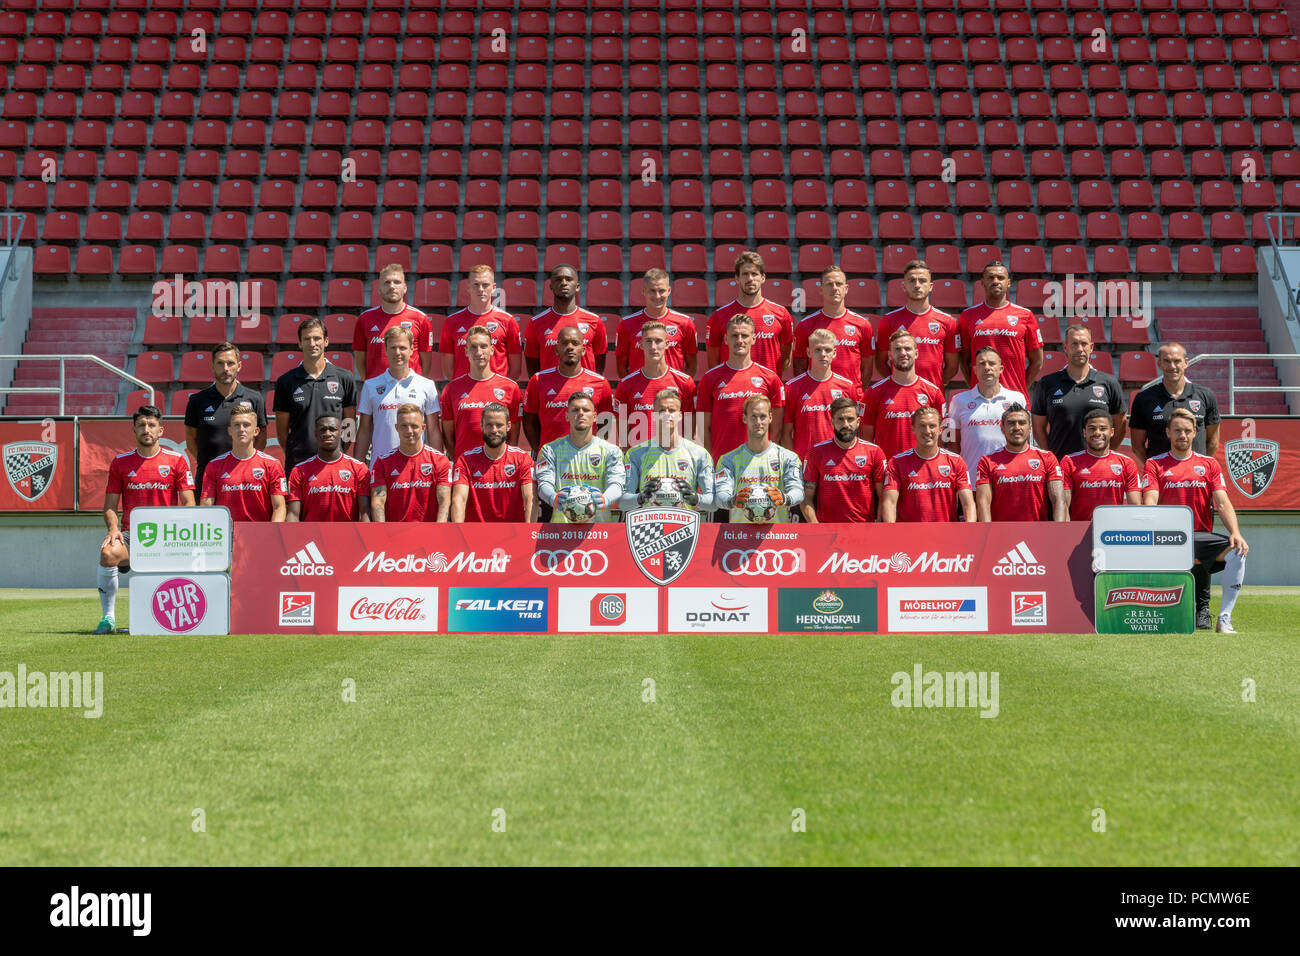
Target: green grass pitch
(551,737)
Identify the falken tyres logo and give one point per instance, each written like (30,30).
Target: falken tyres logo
(29,466)
(1252,462)
(1144,597)
(1147,539)
(662,541)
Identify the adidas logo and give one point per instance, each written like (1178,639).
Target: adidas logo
(308,561)
(1018,562)
(225,475)
(208,409)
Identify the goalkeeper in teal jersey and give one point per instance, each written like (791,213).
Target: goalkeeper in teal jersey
(668,469)
(759,468)
(580,460)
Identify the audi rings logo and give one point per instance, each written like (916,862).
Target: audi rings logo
(577,563)
(763,562)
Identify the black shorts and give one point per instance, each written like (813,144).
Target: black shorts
(1207,546)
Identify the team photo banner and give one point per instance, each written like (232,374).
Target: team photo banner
(40,461)
(1260,458)
(663,572)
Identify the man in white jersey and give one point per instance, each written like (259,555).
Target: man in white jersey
(973,425)
(384,394)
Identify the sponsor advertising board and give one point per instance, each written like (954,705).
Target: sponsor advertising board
(527,578)
(1142,538)
(180,604)
(40,466)
(387,610)
(181,539)
(1260,458)
(1151,602)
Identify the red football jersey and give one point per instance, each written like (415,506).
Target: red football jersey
(245,485)
(329,490)
(547,397)
(852,340)
(1010,329)
(927,487)
(542,332)
(773,331)
(722,394)
(888,407)
(493,485)
(808,407)
(148,482)
(505,339)
(846,479)
(412,482)
(935,333)
(1192,482)
(635,395)
(1094,481)
(681,336)
(463,400)
(368,336)
(1019,482)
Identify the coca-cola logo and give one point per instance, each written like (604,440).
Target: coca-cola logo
(388,610)
(395,609)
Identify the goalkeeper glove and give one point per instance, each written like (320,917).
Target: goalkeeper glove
(774,493)
(741,497)
(688,493)
(597,495)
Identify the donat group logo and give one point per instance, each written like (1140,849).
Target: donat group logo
(29,466)
(662,541)
(1252,463)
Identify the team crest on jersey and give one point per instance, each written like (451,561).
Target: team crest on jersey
(426,468)
(836,393)
(922,398)
(934,328)
(1195,405)
(380,389)
(587,390)
(1251,464)
(499,394)
(583,327)
(29,466)
(258,473)
(165,470)
(1099,390)
(682,465)
(1035,464)
(332,387)
(860,461)
(405,325)
(509,469)
(1013,321)
(945,470)
(1116,469)
(1200,470)
(756,381)
(662,541)
(594,458)
(490,326)
(768,318)
(345,474)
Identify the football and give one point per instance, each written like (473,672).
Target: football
(664,493)
(577,505)
(759,508)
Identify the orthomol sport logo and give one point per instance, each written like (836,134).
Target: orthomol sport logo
(1168,538)
(1143,597)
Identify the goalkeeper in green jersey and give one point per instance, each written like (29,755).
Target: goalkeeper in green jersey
(668,469)
(580,476)
(761,482)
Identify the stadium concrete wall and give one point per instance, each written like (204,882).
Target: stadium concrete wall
(61,550)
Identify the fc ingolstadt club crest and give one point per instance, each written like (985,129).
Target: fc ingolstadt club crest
(1252,462)
(662,541)
(29,466)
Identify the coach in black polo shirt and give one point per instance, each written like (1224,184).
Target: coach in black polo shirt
(1151,408)
(207,413)
(303,394)
(1062,399)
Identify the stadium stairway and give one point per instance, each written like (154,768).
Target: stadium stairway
(1221,330)
(92,390)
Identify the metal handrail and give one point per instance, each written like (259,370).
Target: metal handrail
(1233,388)
(11,227)
(61,388)
(1279,268)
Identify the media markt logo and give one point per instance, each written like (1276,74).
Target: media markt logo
(1252,462)
(827,609)
(1154,602)
(29,466)
(146,533)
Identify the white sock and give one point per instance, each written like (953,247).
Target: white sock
(107,580)
(1234,572)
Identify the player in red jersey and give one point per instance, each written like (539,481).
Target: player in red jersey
(928,482)
(683,349)
(249,482)
(412,482)
(507,345)
(724,388)
(935,332)
(888,405)
(546,399)
(464,398)
(1019,483)
(773,325)
(853,341)
(1010,329)
(845,475)
(332,486)
(1182,477)
(149,476)
(1097,475)
(368,353)
(541,334)
(808,397)
(635,395)
(493,482)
